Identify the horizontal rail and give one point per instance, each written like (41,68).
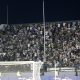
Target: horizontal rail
(16,62)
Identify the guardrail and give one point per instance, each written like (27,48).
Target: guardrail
(62,69)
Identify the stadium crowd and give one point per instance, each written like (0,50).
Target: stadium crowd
(63,44)
(25,42)
(21,42)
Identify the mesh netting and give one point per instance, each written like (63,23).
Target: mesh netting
(16,72)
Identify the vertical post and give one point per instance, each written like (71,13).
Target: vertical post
(33,71)
(7,14)
(44,31)
(55,71)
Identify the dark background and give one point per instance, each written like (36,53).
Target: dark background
(30,11)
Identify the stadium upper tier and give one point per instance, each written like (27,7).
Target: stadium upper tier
(25,42)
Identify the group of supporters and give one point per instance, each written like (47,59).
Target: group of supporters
(25,42)
(63,44)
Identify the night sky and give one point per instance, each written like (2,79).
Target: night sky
(30,11)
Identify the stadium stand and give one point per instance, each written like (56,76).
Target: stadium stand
(24,42)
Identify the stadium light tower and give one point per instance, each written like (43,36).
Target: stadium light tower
(44,30)
(56,74)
